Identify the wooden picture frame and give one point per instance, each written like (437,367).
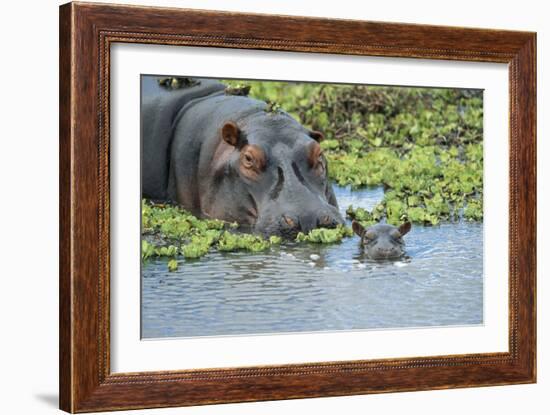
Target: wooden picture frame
(86,33)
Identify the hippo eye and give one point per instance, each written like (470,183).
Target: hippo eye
(370,235)
(252,161)
(395,234)
(248,161)
(320,164)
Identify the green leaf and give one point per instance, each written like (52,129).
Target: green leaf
(172,265)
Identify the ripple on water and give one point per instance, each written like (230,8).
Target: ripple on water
(303,287)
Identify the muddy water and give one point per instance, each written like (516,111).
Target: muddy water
(307,287)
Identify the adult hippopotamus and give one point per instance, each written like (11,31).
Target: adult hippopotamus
(232,158)
(382,241)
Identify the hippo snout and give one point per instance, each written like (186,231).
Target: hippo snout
(327,221)
(390,252)
(289,225)
(306,223)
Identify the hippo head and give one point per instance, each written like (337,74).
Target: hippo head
(382,241)
(273,176)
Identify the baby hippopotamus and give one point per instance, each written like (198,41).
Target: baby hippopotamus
(382,241)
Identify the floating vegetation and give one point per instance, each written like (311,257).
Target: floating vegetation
(169,231)
(365,217)
(148,250)
(474,210)
(172,265)
(199,245)
(233,242)
(325,235)
(427,185)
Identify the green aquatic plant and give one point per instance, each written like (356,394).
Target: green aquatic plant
(169,231)
(148,250)
(233,242)
(325,235)
(172,222)
(474,210)
(172,265)
(363,216)
(194,250)
(169,250)
(425,185)
(400,213)
(200,244)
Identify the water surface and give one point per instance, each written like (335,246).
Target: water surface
(310,287)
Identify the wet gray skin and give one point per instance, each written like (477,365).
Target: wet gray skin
(382,241)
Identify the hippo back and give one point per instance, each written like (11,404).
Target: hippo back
(160,108)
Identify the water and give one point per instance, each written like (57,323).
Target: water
(306,287)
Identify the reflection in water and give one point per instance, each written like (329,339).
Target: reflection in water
(307,287)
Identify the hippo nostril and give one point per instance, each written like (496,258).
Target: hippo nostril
(326,221)
(383,253)
(289,221)
(288,227)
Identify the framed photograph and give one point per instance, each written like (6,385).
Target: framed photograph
(258,207)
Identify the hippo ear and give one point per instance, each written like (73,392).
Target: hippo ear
(317,136)
(231,133)
(405,228)
(358,228)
